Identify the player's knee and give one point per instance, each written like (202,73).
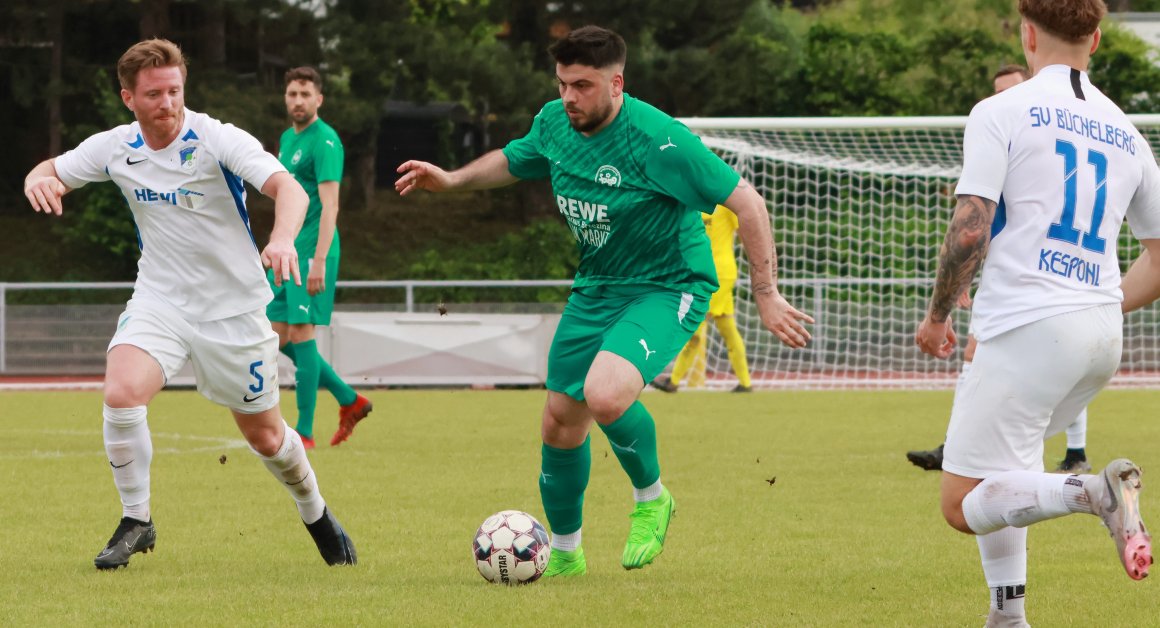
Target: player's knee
(606,404)
(265,441)
(301,333)
(952,511)
(125,393)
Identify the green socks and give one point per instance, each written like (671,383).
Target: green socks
(563,479)
(634,440)
(309,364)
(327,378)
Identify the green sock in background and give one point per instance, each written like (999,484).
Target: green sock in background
(306,393)
(327,378)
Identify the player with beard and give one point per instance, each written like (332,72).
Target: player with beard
(631,183)
(311,150)
(200,291)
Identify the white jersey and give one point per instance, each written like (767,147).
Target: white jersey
(1065,166)
(198,254)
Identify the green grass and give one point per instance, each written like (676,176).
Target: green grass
(849,535)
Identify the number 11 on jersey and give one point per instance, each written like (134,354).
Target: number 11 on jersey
(1065,230)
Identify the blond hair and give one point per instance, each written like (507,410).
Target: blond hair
(151,53)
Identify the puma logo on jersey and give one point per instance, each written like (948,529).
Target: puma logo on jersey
(669,145)
(304,308)
(330,143)
(647,353)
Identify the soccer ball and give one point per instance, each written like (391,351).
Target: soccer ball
(511,547)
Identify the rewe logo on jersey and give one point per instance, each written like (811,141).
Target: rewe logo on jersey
(608,175)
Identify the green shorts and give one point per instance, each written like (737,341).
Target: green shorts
(645,325)
(293,305)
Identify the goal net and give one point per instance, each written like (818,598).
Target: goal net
(859,208)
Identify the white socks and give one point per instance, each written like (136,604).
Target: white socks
(292,468)
(1004,556)
(566,542)
(648,493)
(1021,498)
(130,451)
(1077,432)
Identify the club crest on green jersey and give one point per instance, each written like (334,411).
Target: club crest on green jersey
(297,156)
(608,175)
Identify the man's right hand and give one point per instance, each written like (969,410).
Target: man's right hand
(420,175)
(44,194)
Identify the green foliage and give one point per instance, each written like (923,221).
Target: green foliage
(1124,68)
(688,57)
(955,69)
(851,73)
(543,250)
(258,109)
(96,217)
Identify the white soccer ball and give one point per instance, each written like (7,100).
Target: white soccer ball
(511,547)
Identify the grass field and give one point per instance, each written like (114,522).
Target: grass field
(849,535)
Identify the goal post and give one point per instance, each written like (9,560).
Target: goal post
(859,208)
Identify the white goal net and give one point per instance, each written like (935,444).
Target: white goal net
(859,208)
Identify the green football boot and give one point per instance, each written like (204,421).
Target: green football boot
(650,524)
(563,563)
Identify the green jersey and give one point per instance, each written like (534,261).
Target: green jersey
(632,194)
(313,156)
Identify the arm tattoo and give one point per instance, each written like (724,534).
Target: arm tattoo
(962,253)
(762,287)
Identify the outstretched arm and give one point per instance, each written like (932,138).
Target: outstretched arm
(489,171)
(44,189)
(777,314)
(1141,283)
(961,255)
(290,202)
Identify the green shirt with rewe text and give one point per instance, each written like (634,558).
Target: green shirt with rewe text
(632,194)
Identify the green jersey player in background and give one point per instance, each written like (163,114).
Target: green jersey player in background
(312,152)
(631,182)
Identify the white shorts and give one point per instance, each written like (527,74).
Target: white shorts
(1027,384)
(235,360)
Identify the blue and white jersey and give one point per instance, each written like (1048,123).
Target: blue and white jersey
(1065,166)
(188,202)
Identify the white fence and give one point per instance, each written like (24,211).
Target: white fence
(408,343)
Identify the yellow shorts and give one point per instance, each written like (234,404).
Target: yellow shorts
(721,303)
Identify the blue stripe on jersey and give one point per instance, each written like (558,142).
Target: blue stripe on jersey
(137,143)
(1000,219)
(136,229)
(189,135)
(238,191)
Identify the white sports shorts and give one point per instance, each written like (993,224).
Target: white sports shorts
(1027,384)
(235,360)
